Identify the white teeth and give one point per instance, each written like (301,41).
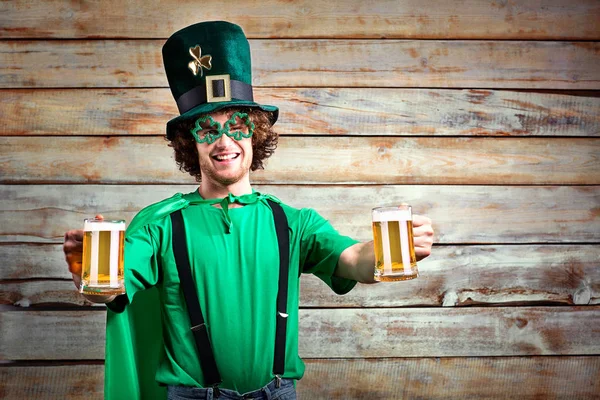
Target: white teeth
(226,157)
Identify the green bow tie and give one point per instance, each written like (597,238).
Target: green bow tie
(231,199)
(181,201)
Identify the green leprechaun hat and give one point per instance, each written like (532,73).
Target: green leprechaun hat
(208,67)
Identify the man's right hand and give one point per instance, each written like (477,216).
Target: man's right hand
(73,249)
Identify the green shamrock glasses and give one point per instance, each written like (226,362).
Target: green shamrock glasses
(214,130)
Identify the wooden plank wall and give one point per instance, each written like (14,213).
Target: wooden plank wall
(484,115)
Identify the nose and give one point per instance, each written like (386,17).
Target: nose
(224,139)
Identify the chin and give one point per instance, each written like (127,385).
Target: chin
(227,180)
(225,176)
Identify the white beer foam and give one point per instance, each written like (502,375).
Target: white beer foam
(89,226)
(392,215)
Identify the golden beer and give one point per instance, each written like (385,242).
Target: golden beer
(395,258)
(102,263)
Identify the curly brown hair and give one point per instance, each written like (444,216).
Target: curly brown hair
(264,141)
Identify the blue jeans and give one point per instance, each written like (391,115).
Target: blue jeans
(285,391)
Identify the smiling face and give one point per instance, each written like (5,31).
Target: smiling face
(186,150)
(226,161)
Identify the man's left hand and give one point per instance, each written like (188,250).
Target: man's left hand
(422,235)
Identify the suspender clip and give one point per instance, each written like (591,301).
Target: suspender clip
(278,382)
(216,391)
(198,327)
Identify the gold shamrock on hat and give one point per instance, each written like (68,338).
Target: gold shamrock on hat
(199,62)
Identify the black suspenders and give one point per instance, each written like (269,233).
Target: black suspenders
(283,240)
(198,327)
(207,358)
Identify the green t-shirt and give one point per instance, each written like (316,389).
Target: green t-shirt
(235,266)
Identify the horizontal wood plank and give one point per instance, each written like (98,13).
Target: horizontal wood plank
(516,378)
(327,111)
(480,275)
(316,63)
(44,335)
(67,382)
(439,378)
(451,276)
(413,332)
(346,333)
(42,293)
(521,214)
(518,19)
(32,260)
(306,160)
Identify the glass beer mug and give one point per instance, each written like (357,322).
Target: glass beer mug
(395,258)
(102,263)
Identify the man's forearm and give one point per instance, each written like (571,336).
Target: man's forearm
(357,262)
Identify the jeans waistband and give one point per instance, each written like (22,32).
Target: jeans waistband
(267,392)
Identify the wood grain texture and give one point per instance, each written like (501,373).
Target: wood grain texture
(305,160)
(422,101)
(316,63)
(32,261)
(451,276)
(480,275)
(519,19)
(68,382)
(507,331)
(43,293)
(322,111)
(453,378)
(53,335)
(346,333)
(407,378)
(460,214)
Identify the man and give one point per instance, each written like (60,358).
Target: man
(237,242)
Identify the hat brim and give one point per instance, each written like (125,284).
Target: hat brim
(215,106)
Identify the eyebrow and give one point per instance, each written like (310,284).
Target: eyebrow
(206,125)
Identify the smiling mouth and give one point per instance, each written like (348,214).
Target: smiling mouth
(226,157)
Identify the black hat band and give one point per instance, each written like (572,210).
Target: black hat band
(217,88)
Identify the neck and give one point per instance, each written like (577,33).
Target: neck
(213,190)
